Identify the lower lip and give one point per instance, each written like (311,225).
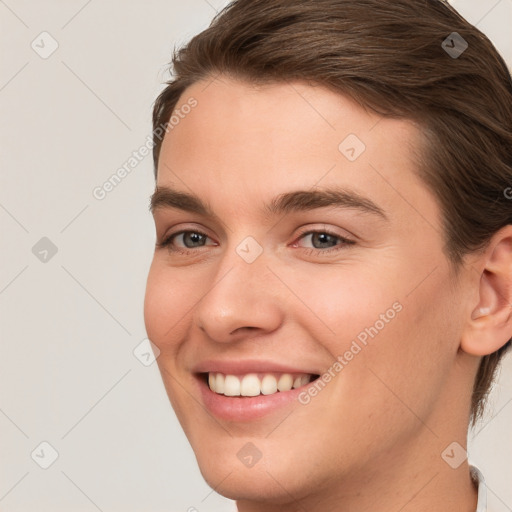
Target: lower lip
(246,408)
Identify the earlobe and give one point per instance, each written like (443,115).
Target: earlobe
(490,324)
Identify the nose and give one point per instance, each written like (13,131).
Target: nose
(241,301)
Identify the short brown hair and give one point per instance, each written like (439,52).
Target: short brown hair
(389,56)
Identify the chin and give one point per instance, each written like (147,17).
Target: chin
(236,482)
(257,469)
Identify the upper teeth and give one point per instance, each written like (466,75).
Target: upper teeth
(253,384)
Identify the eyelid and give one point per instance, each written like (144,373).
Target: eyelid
(184,227)
(307,230)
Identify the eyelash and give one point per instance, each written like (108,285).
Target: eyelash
(168,242)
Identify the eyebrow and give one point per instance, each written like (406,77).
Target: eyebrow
(294,201)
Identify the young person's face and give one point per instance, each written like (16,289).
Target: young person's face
(260,294)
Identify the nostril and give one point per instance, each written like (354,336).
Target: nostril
(248,328)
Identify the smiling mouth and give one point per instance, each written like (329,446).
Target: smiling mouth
(255,384)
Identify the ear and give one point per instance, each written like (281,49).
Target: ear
(490,325)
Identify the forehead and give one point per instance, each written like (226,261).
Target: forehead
(246,142)
(284,116)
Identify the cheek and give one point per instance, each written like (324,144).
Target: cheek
(409,361)
(345,303)
(169,297)
(393,342)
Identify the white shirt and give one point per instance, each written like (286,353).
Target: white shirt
(488,500)
(482,489)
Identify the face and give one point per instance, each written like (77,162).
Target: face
(300,264)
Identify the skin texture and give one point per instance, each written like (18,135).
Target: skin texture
(372,439)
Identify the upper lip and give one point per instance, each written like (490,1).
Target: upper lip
(242,367)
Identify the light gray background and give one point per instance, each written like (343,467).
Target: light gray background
(69,325)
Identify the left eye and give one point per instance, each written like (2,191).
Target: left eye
(191,239)
(322,239)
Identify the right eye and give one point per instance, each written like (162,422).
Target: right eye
(184,241)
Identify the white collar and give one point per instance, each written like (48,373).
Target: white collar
(478,478)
